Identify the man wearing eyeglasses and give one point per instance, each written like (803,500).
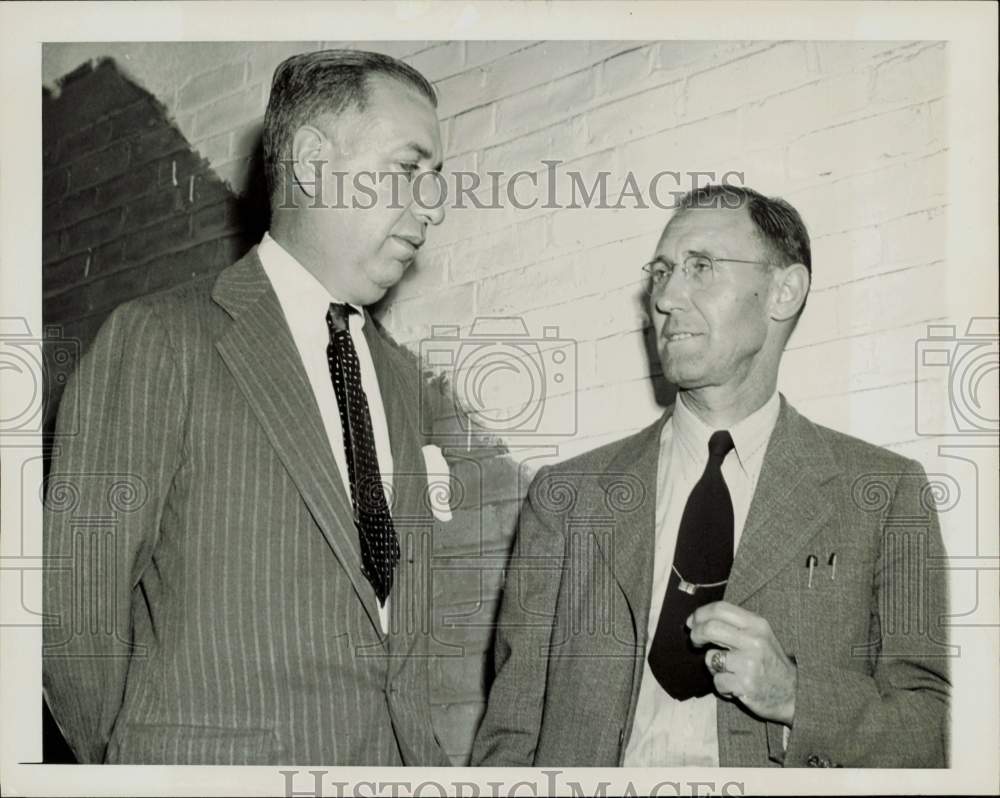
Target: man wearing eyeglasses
(759,590)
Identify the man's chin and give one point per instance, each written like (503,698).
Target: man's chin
(684,378)
(391,271)
(380,285)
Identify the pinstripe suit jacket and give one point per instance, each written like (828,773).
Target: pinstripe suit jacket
(204,589)
(868,641)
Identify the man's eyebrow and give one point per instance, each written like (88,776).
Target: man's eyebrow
(686,253)
(424,153)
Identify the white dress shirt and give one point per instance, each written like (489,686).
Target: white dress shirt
(667,732)
(305,302)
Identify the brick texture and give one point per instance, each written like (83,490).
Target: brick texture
(142,192)
(128,207)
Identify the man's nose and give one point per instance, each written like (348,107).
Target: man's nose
(431,215)
(673,294)
(429,198)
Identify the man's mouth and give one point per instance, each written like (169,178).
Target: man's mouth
(679,336)
(411,242)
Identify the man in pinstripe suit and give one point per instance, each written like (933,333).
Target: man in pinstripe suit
(210,597)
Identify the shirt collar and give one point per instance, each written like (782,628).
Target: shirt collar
(296,286)
(750,435)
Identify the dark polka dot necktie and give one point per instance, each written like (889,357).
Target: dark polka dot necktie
(379,545)
(703,557)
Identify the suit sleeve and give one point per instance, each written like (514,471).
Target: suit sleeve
(897,716)
(117,447)
(508,735)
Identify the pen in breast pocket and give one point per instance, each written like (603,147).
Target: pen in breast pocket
(811,565)
(832,562)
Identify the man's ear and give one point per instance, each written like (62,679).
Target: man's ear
(791,288)
(309,156)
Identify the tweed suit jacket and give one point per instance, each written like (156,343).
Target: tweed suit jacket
(203,588)
(867,640)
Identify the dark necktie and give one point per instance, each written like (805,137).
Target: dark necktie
(379,545)
(703,558)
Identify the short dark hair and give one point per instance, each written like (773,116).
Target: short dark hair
(778,224)
(308,85)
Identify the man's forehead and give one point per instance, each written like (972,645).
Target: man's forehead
(690,227)
(395,88)
(401,110)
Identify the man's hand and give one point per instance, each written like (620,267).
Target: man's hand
(757,671)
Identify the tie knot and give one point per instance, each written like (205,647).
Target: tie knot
(336,316)
(720,444)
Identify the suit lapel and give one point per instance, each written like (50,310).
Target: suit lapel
(411,519)
(787,508)
(400,409)
(631,558)
(260,353)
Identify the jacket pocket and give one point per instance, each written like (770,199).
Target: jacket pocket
(189,744)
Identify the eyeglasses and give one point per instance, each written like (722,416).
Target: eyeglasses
(699,270)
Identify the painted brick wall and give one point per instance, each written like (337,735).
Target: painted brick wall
(854,134)
(128,207)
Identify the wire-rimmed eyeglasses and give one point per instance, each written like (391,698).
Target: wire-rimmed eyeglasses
(698,269)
